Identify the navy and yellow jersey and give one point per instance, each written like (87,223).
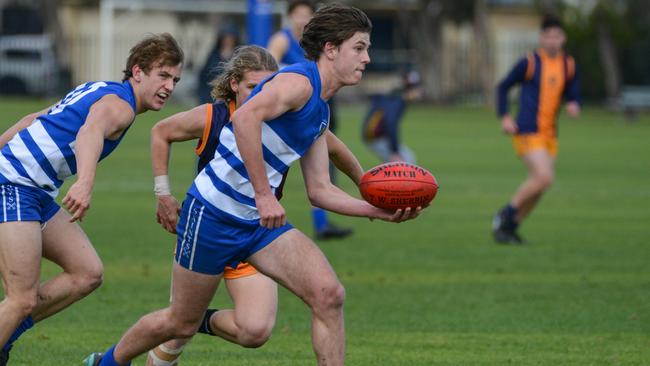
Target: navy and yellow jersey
(217,116)
(383,118)
(544,81)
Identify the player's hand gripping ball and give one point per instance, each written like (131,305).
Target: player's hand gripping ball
(398,185)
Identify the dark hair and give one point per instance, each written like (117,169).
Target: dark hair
(228,30)
(296,3)
(153,51)
(243,60)
(411,79)
(334,23)
(551,21)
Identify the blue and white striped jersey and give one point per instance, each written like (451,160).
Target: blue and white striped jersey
(43,154)
(224,186)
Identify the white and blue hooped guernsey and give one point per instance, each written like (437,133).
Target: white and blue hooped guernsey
(224,186)
(43,154)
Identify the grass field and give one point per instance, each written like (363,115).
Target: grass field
(435,291)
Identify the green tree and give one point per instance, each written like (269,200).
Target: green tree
(615,34)
(424,25)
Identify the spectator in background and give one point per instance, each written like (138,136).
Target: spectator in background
(380,129)
(227,40)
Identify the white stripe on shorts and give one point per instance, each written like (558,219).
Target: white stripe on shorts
(196,236)
(4,205)
(186,224)
(17,203)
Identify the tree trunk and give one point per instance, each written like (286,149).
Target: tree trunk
(429,32)
(609,60)
(54,29)
(549,7)
(484,50)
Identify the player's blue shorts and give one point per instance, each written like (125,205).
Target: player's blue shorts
(208,242)
(22,203)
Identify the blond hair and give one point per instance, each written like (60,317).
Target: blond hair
(243,60)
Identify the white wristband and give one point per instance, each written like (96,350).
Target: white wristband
(161,185)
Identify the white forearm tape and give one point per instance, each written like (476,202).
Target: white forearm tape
(161,185)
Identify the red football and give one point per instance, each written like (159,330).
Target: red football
(398,185)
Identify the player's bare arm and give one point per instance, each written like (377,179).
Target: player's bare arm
(573,108)
(286,92)
(278,46)
(183,126)
(508,124)
(108,119)
(343,158)
(19,126)
(322,193)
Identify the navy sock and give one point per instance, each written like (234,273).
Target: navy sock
(109,360)
(511,214)
(319,217)
(205,323)
(22,328)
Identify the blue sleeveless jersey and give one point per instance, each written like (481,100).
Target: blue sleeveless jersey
(218,116)
(43,154)
(295,54)
(224,186)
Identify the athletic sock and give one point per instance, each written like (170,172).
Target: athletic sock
(109,360)
(205,323)
(319,217)
(510,215)
(22,328)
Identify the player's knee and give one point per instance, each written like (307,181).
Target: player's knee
(544,179)
(94,279)
(182,328)
(27,306)
(255,335)
(330,296)
(89,280)
(23,303)
(185,331)
(180,322)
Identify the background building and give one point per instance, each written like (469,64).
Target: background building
(461,48)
